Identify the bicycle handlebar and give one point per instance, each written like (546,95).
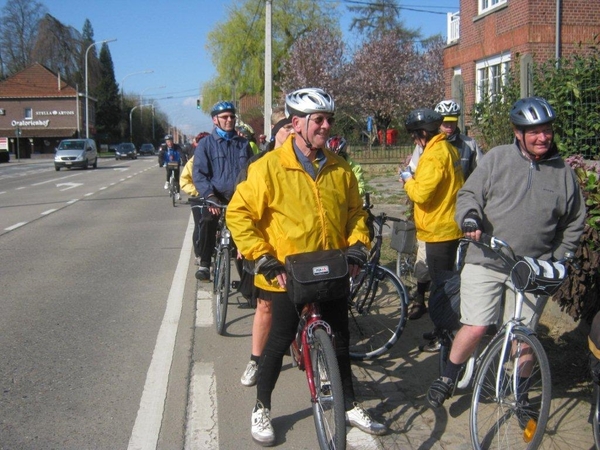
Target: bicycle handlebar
(201,201)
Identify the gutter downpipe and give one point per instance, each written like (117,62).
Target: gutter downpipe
(557,40)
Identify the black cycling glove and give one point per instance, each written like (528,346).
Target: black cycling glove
(471,223)
(268,266)
(357,254)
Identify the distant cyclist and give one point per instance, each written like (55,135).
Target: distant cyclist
(218,159)
(171,154)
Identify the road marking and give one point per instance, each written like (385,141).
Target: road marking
(70,202)
(15,226)
(50,211)
(202,427)
(149,417)
(69,185)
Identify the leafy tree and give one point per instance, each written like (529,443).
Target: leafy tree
(108,110)
(18,34)
(237,45)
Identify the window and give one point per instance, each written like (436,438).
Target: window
(28,113)
(488,5)
(491,75)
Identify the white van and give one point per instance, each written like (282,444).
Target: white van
(76,153)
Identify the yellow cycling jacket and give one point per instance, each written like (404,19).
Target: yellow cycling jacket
(186,183)
(281,210)
(433,190)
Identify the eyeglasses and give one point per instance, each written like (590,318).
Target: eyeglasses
(320,119)
(228,117)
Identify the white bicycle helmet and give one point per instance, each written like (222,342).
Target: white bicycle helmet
(448,108)
(531,111)
(308,101)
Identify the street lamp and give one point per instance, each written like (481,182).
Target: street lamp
(87,110)
(127,76)
(130,122)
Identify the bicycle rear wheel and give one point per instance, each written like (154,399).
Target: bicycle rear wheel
(328,408)
(509,419)
(221,287)
(378,313)
(405,270)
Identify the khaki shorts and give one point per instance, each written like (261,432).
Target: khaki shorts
(481,291)
(421,269)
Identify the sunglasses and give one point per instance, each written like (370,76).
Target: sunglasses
(229,117)
(320,119)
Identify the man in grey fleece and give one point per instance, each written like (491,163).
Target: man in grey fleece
(522,193)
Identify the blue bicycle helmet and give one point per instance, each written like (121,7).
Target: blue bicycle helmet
(221,107)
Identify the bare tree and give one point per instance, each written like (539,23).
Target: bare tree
(57,47)
(18,33)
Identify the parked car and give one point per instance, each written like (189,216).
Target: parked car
(76,153)
(126,150)
(147,149)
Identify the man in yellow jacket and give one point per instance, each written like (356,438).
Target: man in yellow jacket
(433,190)
(299,199)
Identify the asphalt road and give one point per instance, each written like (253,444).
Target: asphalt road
(107,340)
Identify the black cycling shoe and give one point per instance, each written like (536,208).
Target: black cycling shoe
(203,273)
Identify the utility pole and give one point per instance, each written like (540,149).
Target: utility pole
(268,71)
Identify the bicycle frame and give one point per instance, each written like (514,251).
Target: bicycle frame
(310,319)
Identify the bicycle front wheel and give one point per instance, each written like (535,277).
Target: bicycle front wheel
(221,287)
(511,397)
(328,408)
(172,190)
(378,313)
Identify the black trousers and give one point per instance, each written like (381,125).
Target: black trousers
(283,330)
(197,214)
(440,258)
(207,228)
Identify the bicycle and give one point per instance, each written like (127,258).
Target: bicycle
(404,241)
(378,302)
(313,352)
(172,167)
(512,385)
(222,257)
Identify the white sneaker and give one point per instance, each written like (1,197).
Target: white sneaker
(177,196)
(166,185)
(358,417)
(249,376)
(262,430)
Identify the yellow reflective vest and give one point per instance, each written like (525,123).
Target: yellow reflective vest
(280,210)
(433,190)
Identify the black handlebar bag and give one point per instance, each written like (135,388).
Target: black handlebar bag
(317,276)
(538,276)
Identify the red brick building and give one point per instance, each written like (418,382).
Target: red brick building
(42,109)
(487,36)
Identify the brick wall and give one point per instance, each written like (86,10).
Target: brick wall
(520,26)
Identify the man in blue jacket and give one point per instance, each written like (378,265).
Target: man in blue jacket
(218,160)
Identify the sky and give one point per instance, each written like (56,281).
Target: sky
(168,37)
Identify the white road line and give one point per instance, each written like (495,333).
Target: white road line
(70,202)
(202,427)
(149,417)
(50,211)
(15,226)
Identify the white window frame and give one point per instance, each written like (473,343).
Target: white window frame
(494,69)
(488,5)
(28,113)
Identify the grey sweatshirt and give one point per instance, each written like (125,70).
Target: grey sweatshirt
(536,207)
